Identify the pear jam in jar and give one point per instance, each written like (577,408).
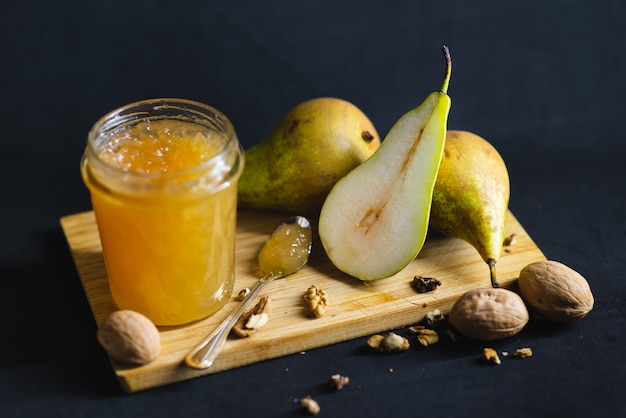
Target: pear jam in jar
(163,180)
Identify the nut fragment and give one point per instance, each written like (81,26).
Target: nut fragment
(434,316)
(428,337)
(130,337)
(243,293)
(490,355)
(488,314)
(376,342)
(338,381)
(391,342)
(317,300)
(311,405)
(510,240)
(425,284)
(254,319)
(425,336)
(523,353)
(555,291)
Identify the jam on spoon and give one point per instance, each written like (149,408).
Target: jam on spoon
(286,251)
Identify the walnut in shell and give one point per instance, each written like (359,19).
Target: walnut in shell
(130,337)
(555,291)
(488,314)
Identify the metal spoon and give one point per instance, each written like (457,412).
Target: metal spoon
(276,261)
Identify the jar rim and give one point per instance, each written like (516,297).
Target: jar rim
(148,110)
(221,167)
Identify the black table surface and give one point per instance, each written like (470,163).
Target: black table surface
(543,81)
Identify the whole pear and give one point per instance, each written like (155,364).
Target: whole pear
(314,145)
(471,195)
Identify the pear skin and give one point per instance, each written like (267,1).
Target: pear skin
(471,195)
(314,145)
(375,219)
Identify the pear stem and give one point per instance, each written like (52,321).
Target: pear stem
(446,78)
(492,272)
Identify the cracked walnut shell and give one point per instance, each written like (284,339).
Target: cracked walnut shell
(555,291)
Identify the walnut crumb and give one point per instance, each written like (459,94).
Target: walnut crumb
(243,293)
(310,405)
(523,353)
(317,299)
(490,355)
(510,240)
(338,381)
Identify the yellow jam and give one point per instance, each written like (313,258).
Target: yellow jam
(168,235)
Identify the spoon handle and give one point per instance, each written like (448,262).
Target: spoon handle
(204,354)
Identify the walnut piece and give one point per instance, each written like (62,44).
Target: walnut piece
(523,353)
(130,337)
(425,336)
(317,300)
(490,355)
(391,342)
(425,284)
(338,381)
(311,405)
(254,319)
(434,316)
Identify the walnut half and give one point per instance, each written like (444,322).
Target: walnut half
(317,300)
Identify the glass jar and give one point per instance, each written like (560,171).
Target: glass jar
(163,179)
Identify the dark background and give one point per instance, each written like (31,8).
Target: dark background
(542,80)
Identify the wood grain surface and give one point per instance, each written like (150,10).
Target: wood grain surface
(357,309)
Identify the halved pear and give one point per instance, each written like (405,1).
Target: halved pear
(374,221)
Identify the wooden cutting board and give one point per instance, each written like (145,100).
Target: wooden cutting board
(357,309)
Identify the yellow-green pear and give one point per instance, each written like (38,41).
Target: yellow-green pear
(471,195)
(313,146)
(375,219)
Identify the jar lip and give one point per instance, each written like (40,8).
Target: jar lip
(138,111)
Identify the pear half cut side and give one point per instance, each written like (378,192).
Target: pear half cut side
(375,220)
